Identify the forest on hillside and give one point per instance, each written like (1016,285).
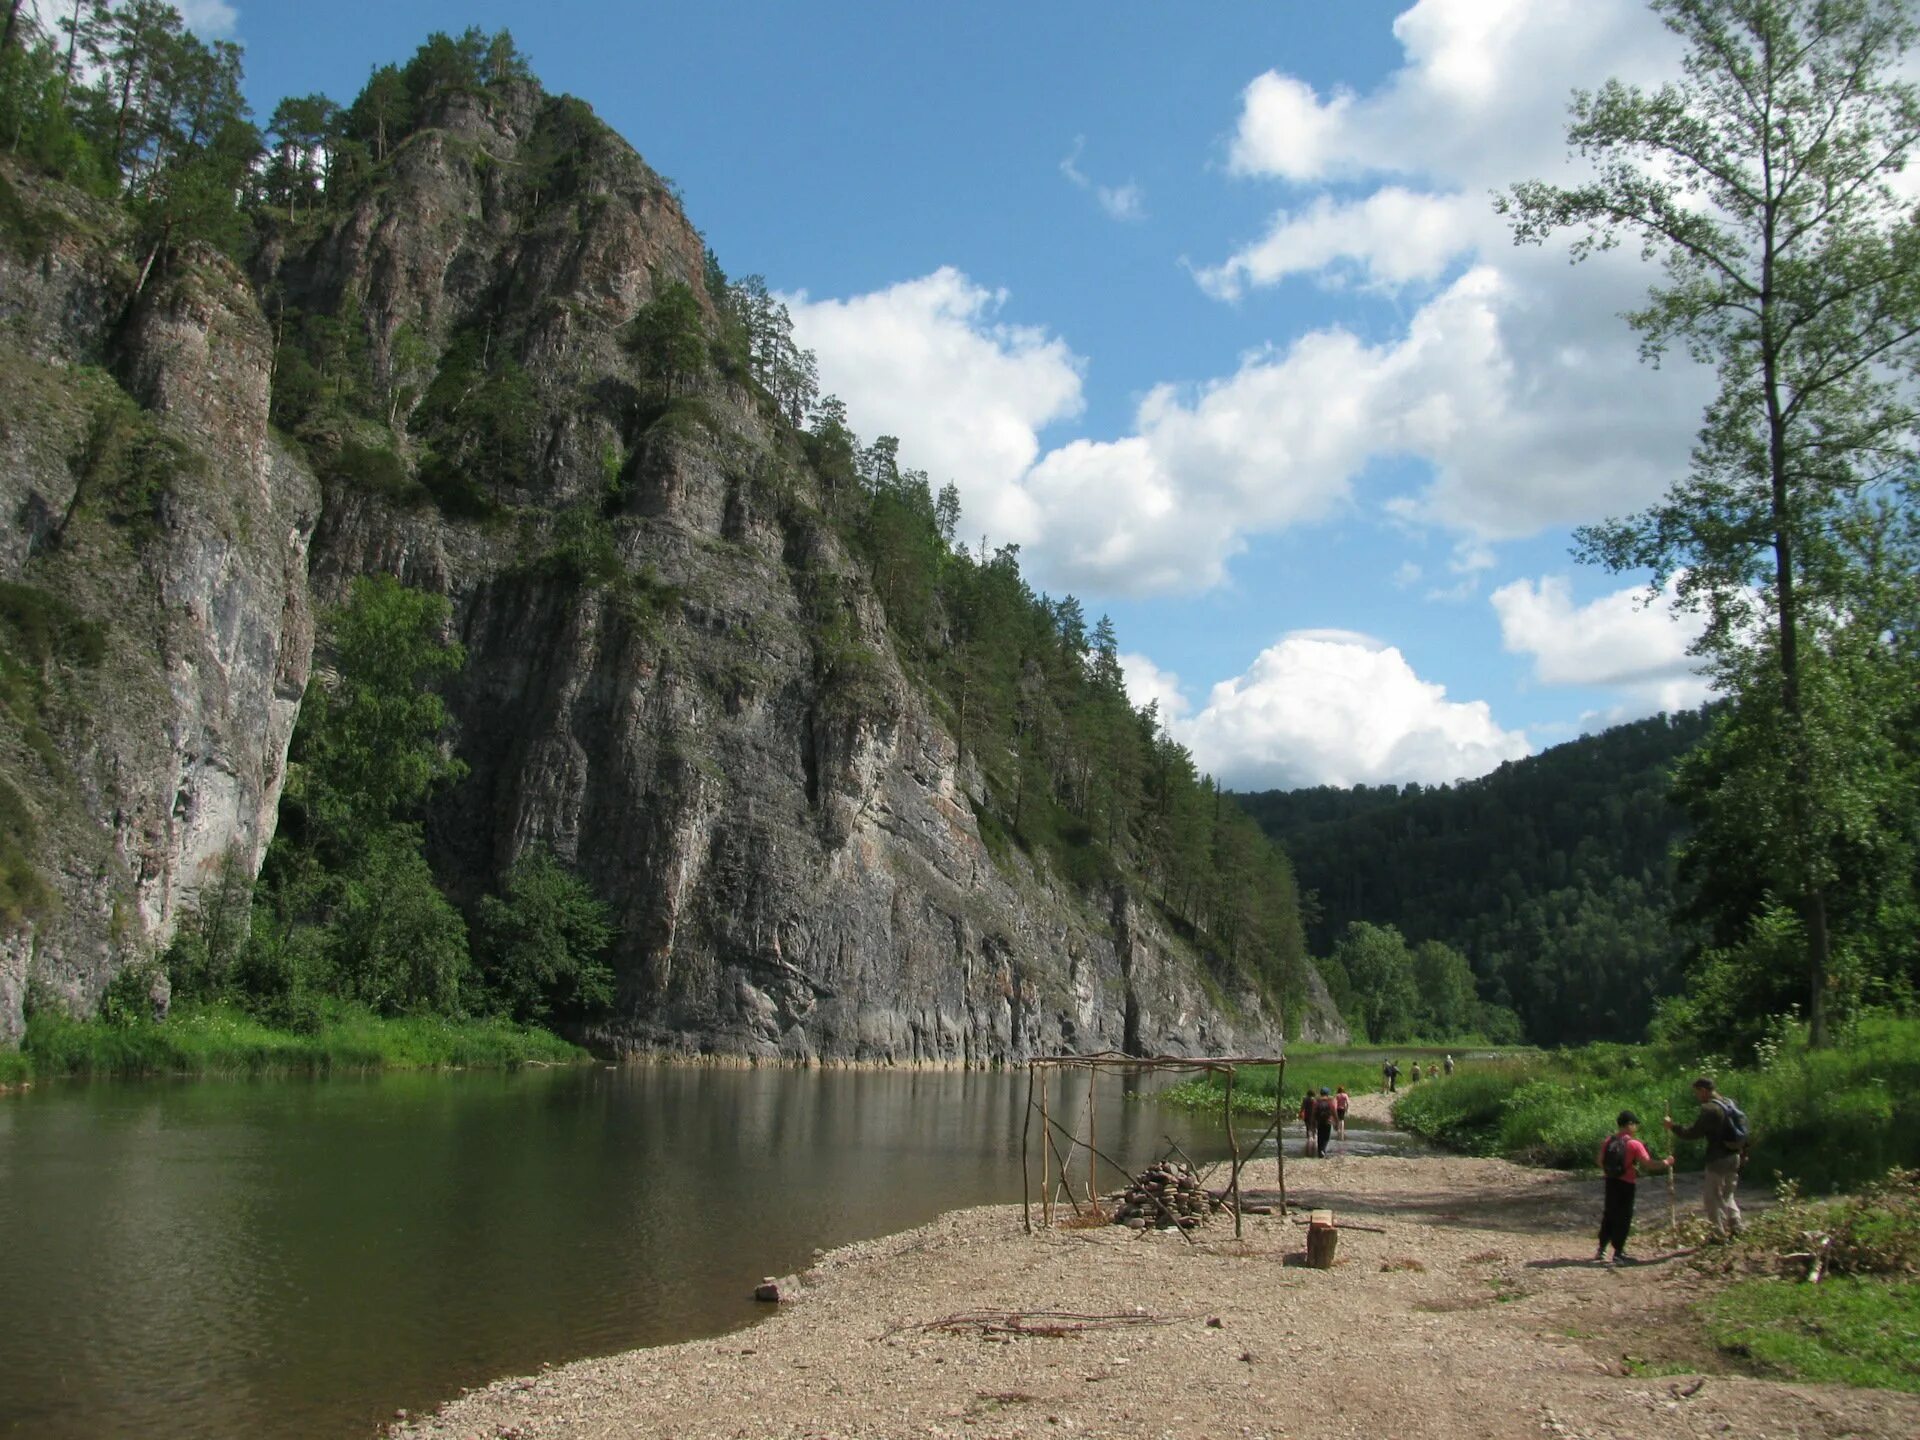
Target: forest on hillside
(1555,875)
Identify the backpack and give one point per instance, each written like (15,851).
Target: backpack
(1613,1157)
(1323,1109)
(1733,1125)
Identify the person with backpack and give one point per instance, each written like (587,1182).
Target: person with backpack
(1323,1110)
(1340,1102)
(1721,1124)
(1621,1157)
(1416,1072)
(1390,1074)
(1449,1065)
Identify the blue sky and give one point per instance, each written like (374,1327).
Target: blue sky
(1203,304)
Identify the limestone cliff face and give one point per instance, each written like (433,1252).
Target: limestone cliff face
(792,855)
(160,536)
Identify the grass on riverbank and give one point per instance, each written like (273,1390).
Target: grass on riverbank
(1845,1331)
(1829,1119)
(1860,1325)
(1309,1067)
(224,1040)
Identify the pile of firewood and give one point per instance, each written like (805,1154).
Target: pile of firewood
(1164,1196)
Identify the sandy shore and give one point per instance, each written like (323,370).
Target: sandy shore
(1471,1309)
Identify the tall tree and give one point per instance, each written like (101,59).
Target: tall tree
(1763,180)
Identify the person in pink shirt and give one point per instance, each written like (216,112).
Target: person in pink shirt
(1620,1159)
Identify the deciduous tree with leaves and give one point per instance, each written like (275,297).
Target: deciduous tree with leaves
(1764,180)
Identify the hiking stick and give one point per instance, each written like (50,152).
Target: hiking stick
(1673,1213)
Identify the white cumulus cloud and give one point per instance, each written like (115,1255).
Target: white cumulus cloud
(1620,641)
(1391,238)
(1513,384)
(929,361)
(1329,707)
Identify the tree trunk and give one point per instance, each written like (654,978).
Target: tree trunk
(13,17)
(1817,956)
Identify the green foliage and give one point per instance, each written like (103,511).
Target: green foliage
(541,946)
(1827,1119)
(367,746)
(1551,875)
(1764,180)
(1874,1231)
(347,905)
(582,548)
(477,422)
(668,339)
(23,894)
(128,466)
(129,996)
(227,1040)
(1380,975)
(395,944)
(373,470)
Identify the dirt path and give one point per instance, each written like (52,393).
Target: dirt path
(1476,1313)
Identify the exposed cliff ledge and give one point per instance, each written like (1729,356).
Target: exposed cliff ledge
(793,857)
(155,540)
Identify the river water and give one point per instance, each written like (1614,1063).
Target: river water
(221,1259)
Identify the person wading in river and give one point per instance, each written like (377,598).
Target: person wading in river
(1323,1113)
(1340,1102)
(1306,1121)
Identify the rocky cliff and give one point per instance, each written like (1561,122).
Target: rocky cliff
(791,851)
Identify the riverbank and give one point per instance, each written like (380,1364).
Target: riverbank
(219,1040)
(1472,1309)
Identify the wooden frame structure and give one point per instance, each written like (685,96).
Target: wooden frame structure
(1040,1073)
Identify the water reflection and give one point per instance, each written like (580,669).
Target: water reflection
(298,1258)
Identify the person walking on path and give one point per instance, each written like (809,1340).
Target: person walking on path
(1621,1156)
(1340,1102)
(1390,1076)
(1416,1072)
(1323,1110)
(1724,1128)
(1449,1064)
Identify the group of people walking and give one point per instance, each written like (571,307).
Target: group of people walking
(1390,1073)
(1623,1158)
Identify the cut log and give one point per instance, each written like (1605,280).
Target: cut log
(1322,1238)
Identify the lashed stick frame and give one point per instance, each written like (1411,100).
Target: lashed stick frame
(1040,1072)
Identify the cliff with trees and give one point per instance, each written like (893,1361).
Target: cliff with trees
(433,584)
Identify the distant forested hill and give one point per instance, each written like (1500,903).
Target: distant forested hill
(1553,874)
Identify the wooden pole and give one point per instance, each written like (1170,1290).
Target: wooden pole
(1046,1175)
(1673,1211)
(1026,1157)
(1279,1131)
(1233,1148)
(1093,1145)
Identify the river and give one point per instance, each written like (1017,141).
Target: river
(212,1258)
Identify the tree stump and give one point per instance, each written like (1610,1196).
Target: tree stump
(1322,1237)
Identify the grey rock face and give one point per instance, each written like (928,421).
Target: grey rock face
(151,761)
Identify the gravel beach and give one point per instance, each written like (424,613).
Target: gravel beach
(1471,1308)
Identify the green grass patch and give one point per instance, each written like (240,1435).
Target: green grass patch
(1846,1330)
(225,1040)
(1828,1120)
